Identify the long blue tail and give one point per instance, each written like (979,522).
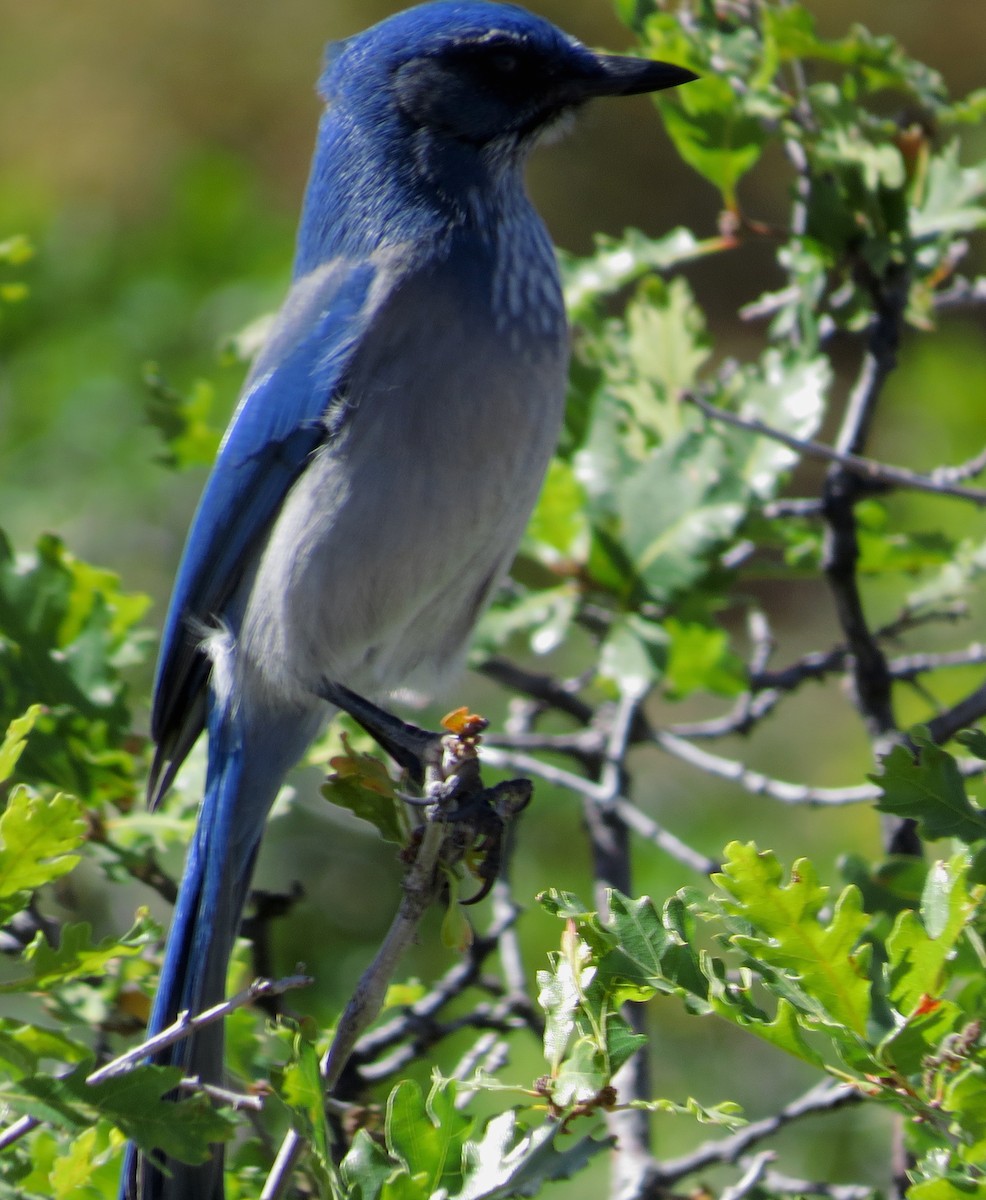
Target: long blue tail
(244,776)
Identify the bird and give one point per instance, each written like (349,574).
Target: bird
(386,452)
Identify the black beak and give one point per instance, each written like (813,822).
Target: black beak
(619,75)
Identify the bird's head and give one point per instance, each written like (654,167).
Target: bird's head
(481,74)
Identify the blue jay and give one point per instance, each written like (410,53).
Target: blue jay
(386,452)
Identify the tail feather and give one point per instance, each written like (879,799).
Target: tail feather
(240,788)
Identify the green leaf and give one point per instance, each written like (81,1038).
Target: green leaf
(787,931)
(712,132)
(75,1173)
(365,1168)
(974,741)
(633,654)
(788,391)
(558,531)
(15,739)
(303,1091)
(39,838)
(183,421)
(427,1136)
(66,631)
(681,505)
(727,1115)
(657,357)
(655,950)
(922,944)
(133,1101)
(927,787)
(15,251)
(511,1161)
(560,994)
(947,1189)
(582,1074)
(77,957)
(700,659)
(617,262)
(361,783)
(953,199)
(23,1047)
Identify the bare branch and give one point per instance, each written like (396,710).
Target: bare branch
(826,1097)
(187,1024)
(632,816)
(238,1101)
(967,470)
(963,293)
(545,688)
(754,1170)
(961,715)
(783,509)
(866,469)
(756,783)
(645,825)
(785,1185)
(870,674)
(183,1027)
(909,666)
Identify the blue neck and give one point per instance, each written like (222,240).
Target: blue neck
(374,184)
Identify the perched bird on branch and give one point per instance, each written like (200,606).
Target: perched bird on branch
(386,453)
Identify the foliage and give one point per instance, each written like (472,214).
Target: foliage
(668,514)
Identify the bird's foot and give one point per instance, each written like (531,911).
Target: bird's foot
(418,751)
(446,765)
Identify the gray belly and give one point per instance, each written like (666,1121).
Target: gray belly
(392,541)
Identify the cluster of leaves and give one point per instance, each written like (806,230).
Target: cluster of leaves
(882,986)
(645,495)
(67,767)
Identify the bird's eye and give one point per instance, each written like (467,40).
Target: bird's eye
(505,62)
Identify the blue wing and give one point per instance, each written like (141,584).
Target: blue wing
(279,422)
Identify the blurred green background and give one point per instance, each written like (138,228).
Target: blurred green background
(155,154)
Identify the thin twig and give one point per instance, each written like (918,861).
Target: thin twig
(414,1019)
(562,696)
(961,715)
(962,293)
(866,469)
(183,1027)
(753,1173)
(778,1184)
(826,1097)
(438,840)
(626,809)
(420,889)
(186,1024)
(238,1101)
(758,784)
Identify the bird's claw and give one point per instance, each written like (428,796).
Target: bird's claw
(447,764)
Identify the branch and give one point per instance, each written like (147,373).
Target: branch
(753,1172)
(785,1185)
(870,674)
(544,688)
(826,1097)
(961,294)
(866,469)
(756,783)
(966,712)
(452,781)
(421,887)
(628,811)
(183,1027)
(418,1020)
